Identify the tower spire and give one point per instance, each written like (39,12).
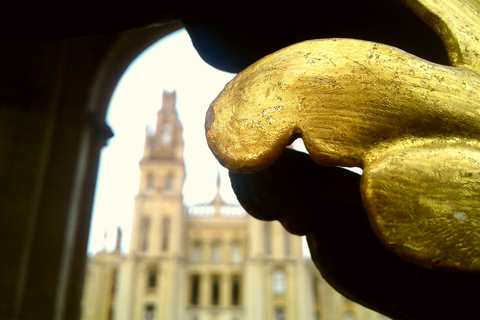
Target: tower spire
(218,201)
(218,182)
(118,243)
(105,235)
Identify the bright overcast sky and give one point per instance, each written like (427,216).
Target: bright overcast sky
(171,64)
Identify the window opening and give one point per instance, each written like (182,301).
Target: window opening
(216,255)
(236,290)
(166,135)
(279,313)
(149,313)
(197,252)
(195,290)
(215,290)
(236,253)
(152,278)
(279,282)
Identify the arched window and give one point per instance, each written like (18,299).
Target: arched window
(196,252)
(279,282)
(216,253)
(236,252)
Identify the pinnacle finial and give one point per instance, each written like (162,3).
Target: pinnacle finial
(105,235)
(118,243)
(218,201)
(218,182)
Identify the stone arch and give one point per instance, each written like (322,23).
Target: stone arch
(119,57)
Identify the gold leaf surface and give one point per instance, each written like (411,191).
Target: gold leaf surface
(413,125)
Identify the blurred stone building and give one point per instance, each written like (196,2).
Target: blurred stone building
(209,261)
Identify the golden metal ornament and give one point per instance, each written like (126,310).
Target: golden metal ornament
(412,125)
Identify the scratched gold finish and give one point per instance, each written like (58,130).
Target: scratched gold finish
(412,125)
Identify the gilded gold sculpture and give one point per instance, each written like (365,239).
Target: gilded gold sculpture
(412,125)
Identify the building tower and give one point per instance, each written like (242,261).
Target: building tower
(155,258)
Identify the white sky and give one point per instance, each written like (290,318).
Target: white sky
(172,63)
